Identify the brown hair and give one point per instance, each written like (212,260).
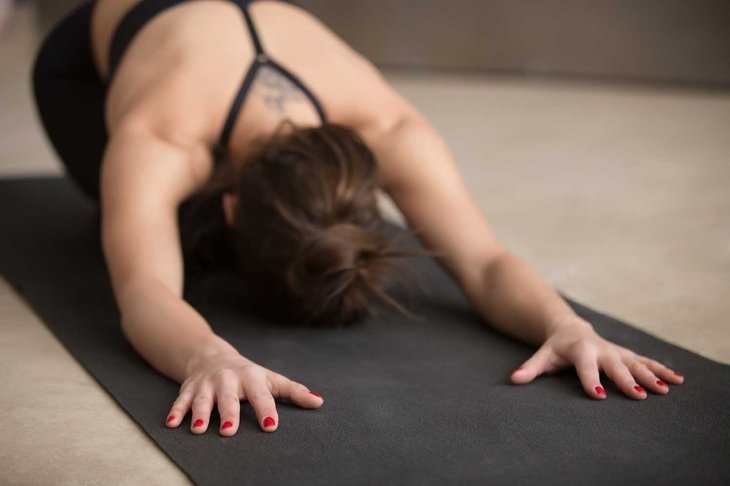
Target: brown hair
(308,235)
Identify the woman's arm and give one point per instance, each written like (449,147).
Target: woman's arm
(420,174)
(141,181)
(143,178)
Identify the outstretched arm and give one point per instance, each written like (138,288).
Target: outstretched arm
(420,175)
(143,179)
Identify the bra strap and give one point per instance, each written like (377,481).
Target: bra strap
(251,28)
(260,58)
(235,108)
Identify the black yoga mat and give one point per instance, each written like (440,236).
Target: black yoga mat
(406,401)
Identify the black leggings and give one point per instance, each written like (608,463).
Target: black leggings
(69,96)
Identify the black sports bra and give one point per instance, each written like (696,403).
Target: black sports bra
(142,12)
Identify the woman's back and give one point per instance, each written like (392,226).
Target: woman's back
(183,68)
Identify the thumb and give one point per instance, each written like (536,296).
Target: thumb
(533,367)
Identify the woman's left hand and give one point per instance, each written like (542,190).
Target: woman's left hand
(577,343)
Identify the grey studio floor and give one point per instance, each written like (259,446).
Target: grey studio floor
(617,193)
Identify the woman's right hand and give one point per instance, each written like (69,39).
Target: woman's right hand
(228,378)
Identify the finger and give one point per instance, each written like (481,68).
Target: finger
(202,406)
(283,387)
(646,377)
(620,374)
(179,408)
(258,395)
(533,367)
(664,373)
(586,366)
(229,403)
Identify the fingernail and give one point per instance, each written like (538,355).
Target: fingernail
(227,424)
(316,394)
(516,370)
(661,383)
(600,390)
(170,418)
(198,423)
(638,389)
(269,422)
(679,374)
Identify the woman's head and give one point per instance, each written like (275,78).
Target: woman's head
(305,225)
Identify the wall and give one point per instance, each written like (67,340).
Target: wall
(654,40)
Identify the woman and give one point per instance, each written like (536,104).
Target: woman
(144,101)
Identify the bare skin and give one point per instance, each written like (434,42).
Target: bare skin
(165,110)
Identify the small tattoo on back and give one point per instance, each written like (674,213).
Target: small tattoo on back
(276,89)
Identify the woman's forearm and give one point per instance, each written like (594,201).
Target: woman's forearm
(515,299)
(165,330)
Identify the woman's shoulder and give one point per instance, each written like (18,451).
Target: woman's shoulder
(198,49)
(183,69)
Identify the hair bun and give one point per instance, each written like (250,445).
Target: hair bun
(339,262)
(297,264)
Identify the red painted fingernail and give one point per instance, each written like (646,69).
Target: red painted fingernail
(679,374)
(600,390)
(170,418)
(638,389)
(227,424)
(661,383)
(198,423)
(269,422)
(316,394)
